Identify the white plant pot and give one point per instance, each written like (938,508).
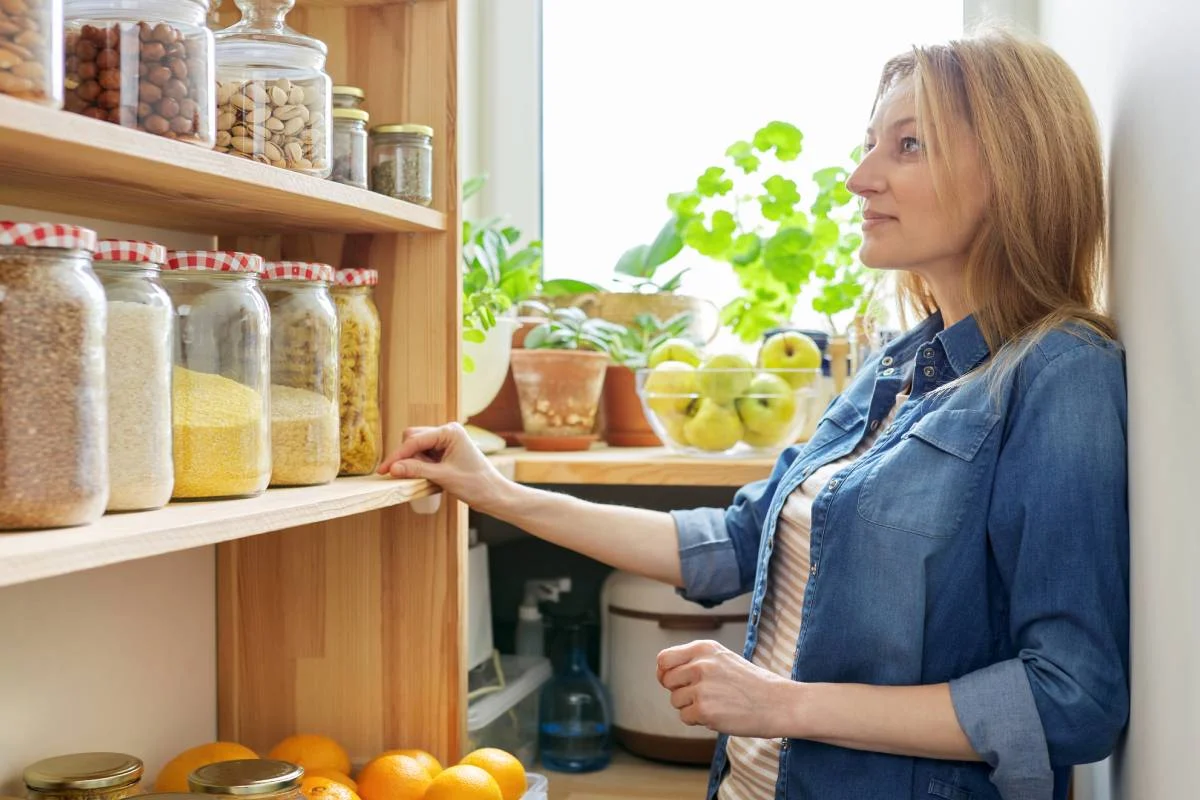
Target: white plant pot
(491,357)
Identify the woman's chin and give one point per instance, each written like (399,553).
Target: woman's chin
(877,258)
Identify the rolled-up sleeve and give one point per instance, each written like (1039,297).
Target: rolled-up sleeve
(1059,531)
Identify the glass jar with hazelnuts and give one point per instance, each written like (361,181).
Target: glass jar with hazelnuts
(144,64)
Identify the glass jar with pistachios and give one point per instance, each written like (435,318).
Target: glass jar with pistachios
(402,162)
(273,95)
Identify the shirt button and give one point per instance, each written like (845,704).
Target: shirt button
(889,371)
(833,484)
(930,372)
(888,361)
(928,352)
(874,425)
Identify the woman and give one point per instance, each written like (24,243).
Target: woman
(940,575)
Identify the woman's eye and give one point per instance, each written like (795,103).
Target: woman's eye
(868,147)
(910,144)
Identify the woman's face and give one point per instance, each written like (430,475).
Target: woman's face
(906,226)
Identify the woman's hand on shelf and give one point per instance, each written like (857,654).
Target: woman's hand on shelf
(445,455)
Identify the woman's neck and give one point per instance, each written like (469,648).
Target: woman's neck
(949,293)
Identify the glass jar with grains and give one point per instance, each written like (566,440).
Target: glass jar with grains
(138,345)
(221,378)
(348,97)
(260,778)
(84,776)
(402,162)
(273,103)
(31,54)
(350,147)
(360,338)
(53,414)
(304,373)
(144,64)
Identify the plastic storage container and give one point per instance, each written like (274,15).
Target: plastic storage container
(348,97)
(402,162)
(273,96)
(259,778)
(221,393)
(138,347)
(536,787)
(360,339)
(84,776)
(304,373)
(31,55)
(503,709)
(53,420)
(144,64)
(350,147)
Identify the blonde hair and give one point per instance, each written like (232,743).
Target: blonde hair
(1037,261)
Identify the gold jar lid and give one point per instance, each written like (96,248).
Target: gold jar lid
(83,771)
(246,777)
(423,130)
(351,113)
(350,91)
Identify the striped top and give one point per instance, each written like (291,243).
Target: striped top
(754,763)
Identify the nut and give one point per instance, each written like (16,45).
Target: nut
(275,125)
(244,144)
(264,123)
(278,96)
(257,93)
(224,139)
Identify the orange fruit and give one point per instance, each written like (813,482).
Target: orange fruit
(504,767)
(313,752)
(465,782)
(393,778)
(173,777)
(325,789)
(426,760)
(333,775)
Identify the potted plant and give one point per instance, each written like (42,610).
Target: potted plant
(625,419)
(559,375)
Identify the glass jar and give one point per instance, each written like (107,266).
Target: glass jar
(53,415)
(84,776)
(402,162)
(221,379)
(360,338)
(304,373)
(273,96)
(348,97)
(144,64)
(350,147)
(31,55)
(138,344)
(259,778)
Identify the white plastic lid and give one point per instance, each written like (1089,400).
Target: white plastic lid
(525,675)
(529,613)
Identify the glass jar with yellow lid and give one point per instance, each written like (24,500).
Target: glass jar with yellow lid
(402,162)
(348,97)
(258,778)
(84,776)
(350,147)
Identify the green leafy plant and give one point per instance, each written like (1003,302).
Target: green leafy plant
(639,265)
(571,329)
(646,333)
(776,245)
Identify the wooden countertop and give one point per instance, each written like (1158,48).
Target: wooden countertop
(629,466)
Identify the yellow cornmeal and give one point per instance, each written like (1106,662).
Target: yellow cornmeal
(304,437)
(222,446)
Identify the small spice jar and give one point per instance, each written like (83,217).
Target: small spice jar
(402,162)
(31,50)
(221,379)
(350,147)
(84,776)
(138,345)
(260,778)
(304,373)
(53,414)
(144,64)
(348,97)
(360,338)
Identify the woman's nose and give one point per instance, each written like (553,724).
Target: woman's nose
(865,179)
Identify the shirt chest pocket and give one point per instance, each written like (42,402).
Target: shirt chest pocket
(928,481)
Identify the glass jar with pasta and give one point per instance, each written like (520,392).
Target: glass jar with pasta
(360,339)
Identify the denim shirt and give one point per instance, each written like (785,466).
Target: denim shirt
(981,541)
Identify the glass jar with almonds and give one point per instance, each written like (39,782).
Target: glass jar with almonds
(273,95)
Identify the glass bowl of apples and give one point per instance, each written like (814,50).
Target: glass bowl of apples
(725,406)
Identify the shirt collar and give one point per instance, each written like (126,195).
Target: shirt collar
(962,342)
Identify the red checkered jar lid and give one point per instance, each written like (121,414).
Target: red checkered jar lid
(128,251)
(357,277)
(298,271)
(46,234)
(214,261)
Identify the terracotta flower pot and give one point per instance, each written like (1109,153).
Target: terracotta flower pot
(625,420)
(503,415)
(559,394)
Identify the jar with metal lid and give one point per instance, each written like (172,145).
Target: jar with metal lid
(273,96)
(31,54)
(360,338)
(138,344)
(53,414)
(144,64)
(348,97)
(84,776)
(304,373)
(402,162)
(222,374)
(259,778)
(350,147)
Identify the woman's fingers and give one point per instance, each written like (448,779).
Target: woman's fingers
(416,440)
(681,654)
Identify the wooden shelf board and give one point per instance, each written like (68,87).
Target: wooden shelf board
(630,466)
(66,163)
(629,778)
(32,555)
